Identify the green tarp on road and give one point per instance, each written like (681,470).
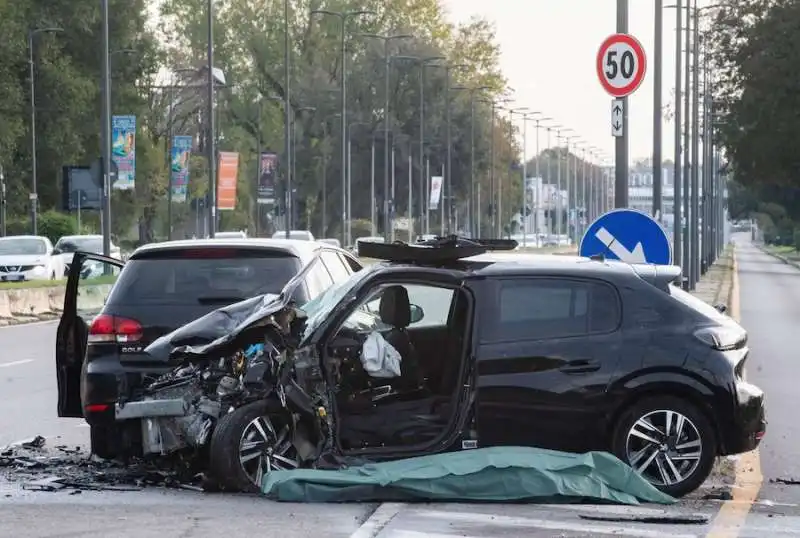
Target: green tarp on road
(498,474)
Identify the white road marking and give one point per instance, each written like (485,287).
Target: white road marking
(620,251)
(375,523)
(15,363)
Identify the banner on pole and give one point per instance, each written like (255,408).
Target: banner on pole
(267,166)
(436,192)
(179,167)
(123,150)
(227,174)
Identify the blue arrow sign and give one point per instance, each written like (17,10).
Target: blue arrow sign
(627,235)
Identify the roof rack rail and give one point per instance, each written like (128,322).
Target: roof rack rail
(433,251)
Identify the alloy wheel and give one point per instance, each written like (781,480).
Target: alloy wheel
(664,446)
(262,449)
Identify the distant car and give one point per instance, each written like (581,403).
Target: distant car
(28,257)
(162,286)
(425,237)
(68,245)
(231,235)
(302,235)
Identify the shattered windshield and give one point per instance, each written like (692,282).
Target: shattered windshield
(319,308)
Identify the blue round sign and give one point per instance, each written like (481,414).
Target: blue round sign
(627,235)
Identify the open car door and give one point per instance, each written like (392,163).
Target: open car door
(90,279)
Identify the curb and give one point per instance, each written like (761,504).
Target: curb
(783,259)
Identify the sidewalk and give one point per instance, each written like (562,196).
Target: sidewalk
(716,285)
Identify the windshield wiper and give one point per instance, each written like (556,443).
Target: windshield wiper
(219,300)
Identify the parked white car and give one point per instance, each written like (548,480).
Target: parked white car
(67,246)
(28,257)
(231,235)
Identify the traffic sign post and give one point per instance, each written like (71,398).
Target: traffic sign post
(627,235)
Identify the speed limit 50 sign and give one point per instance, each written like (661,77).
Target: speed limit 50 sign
(621,64)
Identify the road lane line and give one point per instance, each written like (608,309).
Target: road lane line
(732,516)
(15,363)
(375,523)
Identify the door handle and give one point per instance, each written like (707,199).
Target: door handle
(581,366)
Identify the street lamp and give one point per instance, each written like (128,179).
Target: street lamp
(344,17)
(34,197)
(424,187)
(493,202)
(348,220)
(559,137)
(386,40)
(538,119)
(523,112)
(293,164)
(474,216)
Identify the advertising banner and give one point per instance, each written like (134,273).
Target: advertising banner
(123,150)
(267,169)
(227,174)
(436,193)
(179,167)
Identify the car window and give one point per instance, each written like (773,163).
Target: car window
(318,280)
(435,303)
(94,285)
(203,276)
(334,264)
(22,245)
(552,308)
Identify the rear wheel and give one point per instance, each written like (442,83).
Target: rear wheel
(668,441)
(105,440)
(247,444)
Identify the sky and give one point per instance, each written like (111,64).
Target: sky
(548,52)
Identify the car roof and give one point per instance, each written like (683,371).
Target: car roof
(305,250)
(24,237)
(81,236)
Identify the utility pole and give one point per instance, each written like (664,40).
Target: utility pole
(677,229)
(695,252)
(287,122)
(211,140)
(658,209)
(106,137)
(686,266)
(2,202)
(621,142)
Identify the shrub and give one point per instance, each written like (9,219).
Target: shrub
(55,225)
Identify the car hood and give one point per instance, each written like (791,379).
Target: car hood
(219,332)
(22,259)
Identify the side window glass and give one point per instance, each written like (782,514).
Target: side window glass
(434,304)
(351,264)
(95,283)
(553,308)
(334,265)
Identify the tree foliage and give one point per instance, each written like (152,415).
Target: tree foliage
(249,48)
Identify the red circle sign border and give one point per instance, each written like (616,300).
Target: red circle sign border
(642,64)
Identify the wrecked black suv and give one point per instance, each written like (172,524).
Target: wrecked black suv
(113,310)
(449,345)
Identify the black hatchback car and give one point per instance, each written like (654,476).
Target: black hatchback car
(114,309)
(489,348)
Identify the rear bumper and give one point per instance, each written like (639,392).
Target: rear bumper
(749,423)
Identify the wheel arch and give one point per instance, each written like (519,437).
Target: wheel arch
(696,394)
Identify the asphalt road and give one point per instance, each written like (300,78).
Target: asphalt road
(770,306)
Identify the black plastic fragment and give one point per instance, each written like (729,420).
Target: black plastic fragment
(434,251)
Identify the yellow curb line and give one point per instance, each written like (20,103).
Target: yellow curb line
(732,516)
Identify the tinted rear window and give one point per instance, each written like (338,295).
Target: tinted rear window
(197,277)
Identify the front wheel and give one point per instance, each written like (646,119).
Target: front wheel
(668,441)
(247,444)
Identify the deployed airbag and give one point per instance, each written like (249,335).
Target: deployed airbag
(499,474)
(378,358)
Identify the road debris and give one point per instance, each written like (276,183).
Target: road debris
(40,469)
(785,481)
(661,519)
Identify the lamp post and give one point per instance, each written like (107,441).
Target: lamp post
(523,112)
(344,17)
(471,207)
(572,195)
(386,58)
(447,194)
(424,188)
(34,196)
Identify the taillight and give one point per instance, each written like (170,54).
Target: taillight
(722,338)
(106,328)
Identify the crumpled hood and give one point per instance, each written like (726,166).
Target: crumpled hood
(216,334)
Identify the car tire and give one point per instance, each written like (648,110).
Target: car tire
(226,453)
(105,441)
(676,466)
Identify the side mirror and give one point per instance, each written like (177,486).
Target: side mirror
(721,308)
(416,313)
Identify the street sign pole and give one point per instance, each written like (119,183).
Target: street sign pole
(621,142)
